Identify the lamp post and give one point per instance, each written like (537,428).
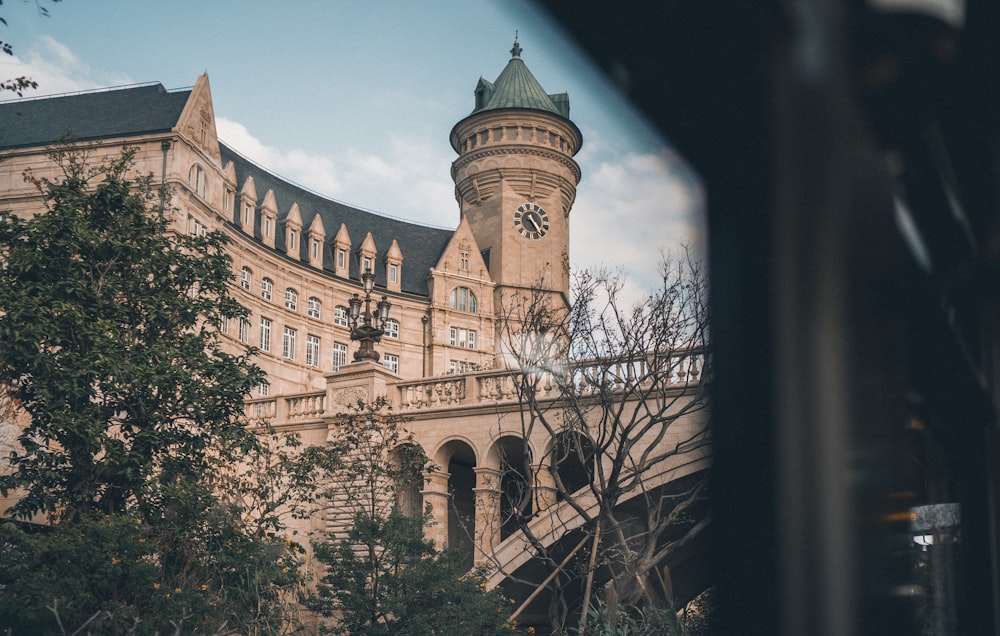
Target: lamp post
(367,326)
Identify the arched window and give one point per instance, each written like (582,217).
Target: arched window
(391,329)
(463,299)
(315,308)
(340,316)
(266,288)
(246,278)
(197,181)
(291,299)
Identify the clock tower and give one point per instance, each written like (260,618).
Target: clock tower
(515,181)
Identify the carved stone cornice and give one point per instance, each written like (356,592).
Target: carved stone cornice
(495,151)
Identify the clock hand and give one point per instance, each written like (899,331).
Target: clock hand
(531,219)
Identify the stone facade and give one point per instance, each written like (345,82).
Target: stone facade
(297,259)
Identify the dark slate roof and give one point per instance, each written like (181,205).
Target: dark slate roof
(135,110)
(516,87)
(421,246)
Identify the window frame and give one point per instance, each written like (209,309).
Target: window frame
(291,299)
(288,336)
(341,316)
(391,361)
(265,333)
(313,348)
(339,355)
(314,308)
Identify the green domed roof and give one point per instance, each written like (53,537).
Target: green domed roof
(516,87)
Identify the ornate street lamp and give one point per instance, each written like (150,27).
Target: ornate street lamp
(367,326)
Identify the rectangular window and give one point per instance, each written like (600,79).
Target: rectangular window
(341,259)
(465,338)
(312,350)
(391,362)
(224,325)
(315,249)
(393,273)
(267,226)
(339,355)
(391,329)
(244,330)
(248,216)
(288,343)
(263,389)
(195,227)
(367,265)
(265,334)
(293,240)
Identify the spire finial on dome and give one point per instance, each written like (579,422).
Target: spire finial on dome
(516,51)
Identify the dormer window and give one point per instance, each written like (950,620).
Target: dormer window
(248,216)
(393,273)
(267,226)
(293,240)
(314,249)
(366,265)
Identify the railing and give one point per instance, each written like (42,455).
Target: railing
(305,406)
(261,410)
(478,388)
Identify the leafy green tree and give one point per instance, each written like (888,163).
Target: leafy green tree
(382,577)
(109,343)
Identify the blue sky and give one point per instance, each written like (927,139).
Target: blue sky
(355,100)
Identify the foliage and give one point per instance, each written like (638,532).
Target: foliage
(382,577)
(398,584)
(108,342)
(119,576)
(657,621)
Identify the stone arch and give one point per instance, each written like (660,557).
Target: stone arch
(511,456)
(409,495)
(457,458)
(571,459)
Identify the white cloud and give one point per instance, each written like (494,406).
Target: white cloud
(402,181)
(56,69)
(631,209)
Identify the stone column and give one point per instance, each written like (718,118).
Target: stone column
(435,494)
(543,487)
(488,519)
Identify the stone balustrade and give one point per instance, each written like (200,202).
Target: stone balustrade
(479,388)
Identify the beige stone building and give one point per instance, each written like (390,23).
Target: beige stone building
(298,259)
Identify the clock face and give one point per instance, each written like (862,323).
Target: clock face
(531,220)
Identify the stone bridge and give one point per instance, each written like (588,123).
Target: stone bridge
(476,432)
